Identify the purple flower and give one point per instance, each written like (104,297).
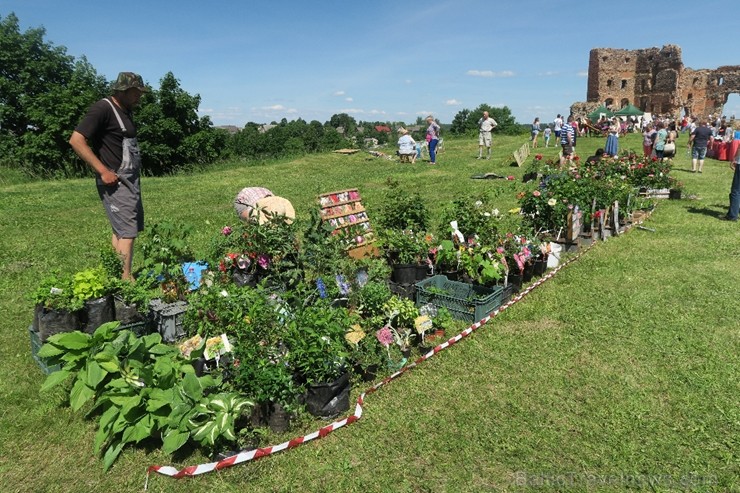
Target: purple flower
(321,287)
(226,231)
(243,262)
(342,284)
(263,261)
(385,336)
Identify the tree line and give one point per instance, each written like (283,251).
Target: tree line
(44,93)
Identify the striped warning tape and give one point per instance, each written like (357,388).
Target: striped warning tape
(247,456)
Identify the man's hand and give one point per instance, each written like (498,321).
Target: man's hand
(109,177)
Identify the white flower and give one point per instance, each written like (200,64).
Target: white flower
(487,214)
(478,203)
(495,212)
(552,202)
(224,293)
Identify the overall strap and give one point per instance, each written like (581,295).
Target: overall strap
(118,117)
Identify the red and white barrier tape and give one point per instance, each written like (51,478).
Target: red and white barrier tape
(241,457)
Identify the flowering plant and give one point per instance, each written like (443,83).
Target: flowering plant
(406,246)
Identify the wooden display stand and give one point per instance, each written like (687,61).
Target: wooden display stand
(344,211)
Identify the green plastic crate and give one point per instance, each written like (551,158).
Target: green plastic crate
(35,346)
(466,302)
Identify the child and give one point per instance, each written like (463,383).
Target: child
(548,131)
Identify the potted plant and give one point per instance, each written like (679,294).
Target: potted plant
(318,354)
(92,288)
(366,353)
(405,251)
(165,248)
(56,308)
(131,301)
(447,259)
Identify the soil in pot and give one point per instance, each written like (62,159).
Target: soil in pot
(279,420)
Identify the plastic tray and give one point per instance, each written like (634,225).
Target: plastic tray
(466,302)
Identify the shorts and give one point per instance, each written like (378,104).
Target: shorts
(557,133)
(123,207)
(567,149)
(698,152)
(484,139)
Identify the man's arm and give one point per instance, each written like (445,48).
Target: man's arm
(82,149)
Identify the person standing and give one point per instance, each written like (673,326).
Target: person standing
(547,133)
(698,142)
(485,125)
(432,138)
(734,210)
(105,139)
(612,139)
(558,126)
(535,132)
(567,140)
(660,139)
(648,137)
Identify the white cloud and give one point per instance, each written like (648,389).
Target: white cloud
(453,102)
(582,73)
(377,112)
(352,110)
(424,113)
(490,73)
(408,81)
(549,73)
(401,113)
(278,108)
(349,100)
(339,93)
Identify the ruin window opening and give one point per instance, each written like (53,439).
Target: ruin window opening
(609,83)
(608,102)
(624,83)
(721,81)
(624,103)
(643,83)
(696,81)
(604,58)
(627,60)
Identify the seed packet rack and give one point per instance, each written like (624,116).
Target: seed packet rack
(344,211)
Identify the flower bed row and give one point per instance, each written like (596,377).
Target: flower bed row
(284,320)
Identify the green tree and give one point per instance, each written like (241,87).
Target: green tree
(170,131)
(466,121)
(43,94)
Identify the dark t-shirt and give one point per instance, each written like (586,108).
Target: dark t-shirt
(701,136)
(100,127)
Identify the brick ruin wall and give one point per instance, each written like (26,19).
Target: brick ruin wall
(656,81)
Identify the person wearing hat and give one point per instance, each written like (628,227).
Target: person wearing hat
(406,146)
(106,140)
(260,205)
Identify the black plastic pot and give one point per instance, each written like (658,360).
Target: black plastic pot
(328,399)
(422,271)
(54,321)
(515,280)
(127,314)
(452,275)
(528,271)
(279,420)
(97,312)
(242,279)
(403,273)
(540,265)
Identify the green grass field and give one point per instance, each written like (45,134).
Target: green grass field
(622,370)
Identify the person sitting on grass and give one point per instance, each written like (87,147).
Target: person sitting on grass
(596,157)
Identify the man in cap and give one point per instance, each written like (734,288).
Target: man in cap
(485,125)
(106,140)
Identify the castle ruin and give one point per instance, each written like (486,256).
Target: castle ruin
(656,81)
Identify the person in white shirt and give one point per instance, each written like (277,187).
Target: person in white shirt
(485,125)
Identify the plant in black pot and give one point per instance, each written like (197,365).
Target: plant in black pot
(93,289)
(318,353)
(406,252)
(447,259)
(131,301)
(56,308)
(366,353)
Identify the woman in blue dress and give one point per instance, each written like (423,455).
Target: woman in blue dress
(612,140)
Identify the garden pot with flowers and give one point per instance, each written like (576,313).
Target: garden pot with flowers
(407,253)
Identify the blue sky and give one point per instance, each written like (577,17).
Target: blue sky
(262,61)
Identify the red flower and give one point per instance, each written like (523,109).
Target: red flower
(538,157)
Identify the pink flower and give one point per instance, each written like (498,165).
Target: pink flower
(500,250)
(510,178)
(263,261)
(536,193)
(385,336)
(538,157)
(226,231)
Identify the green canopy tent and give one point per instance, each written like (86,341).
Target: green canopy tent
(629,110)
(596,114)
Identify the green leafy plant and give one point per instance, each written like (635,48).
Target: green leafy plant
(165,246)
(131,293)
(89,284)
(55,292)
(140,388)
(402,210)
(372,298)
